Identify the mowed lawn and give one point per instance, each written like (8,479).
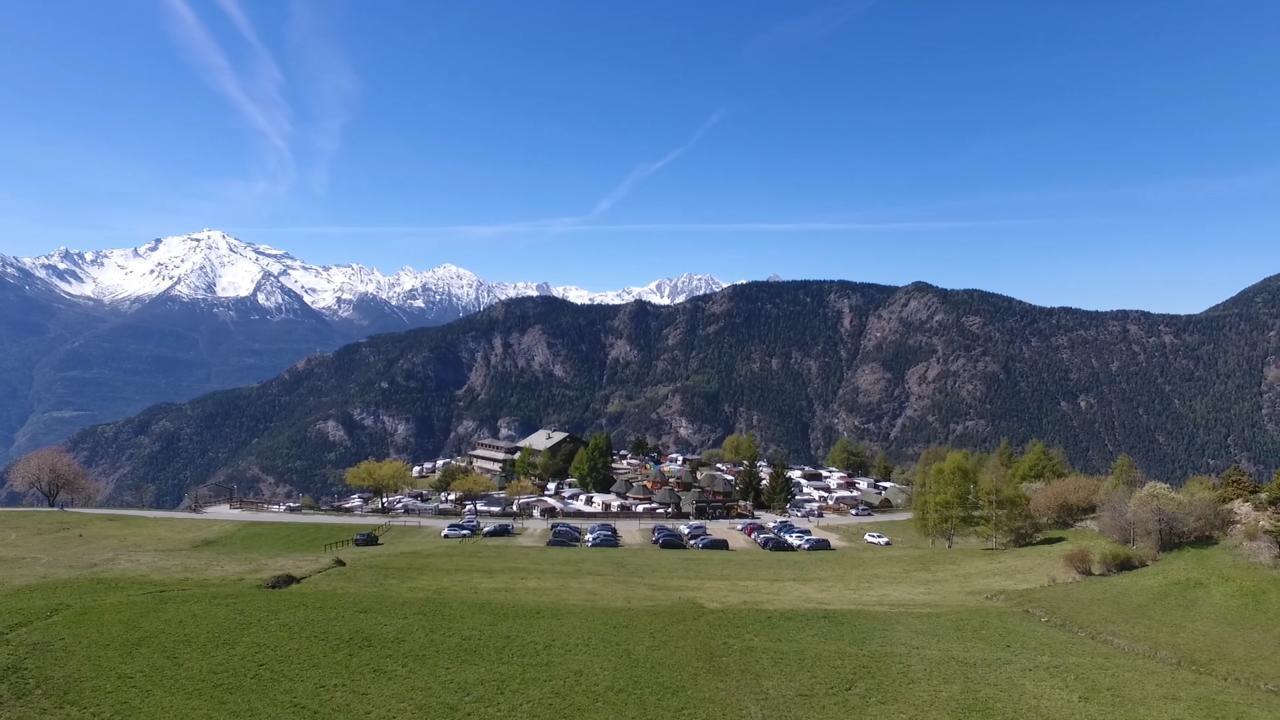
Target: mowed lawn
(117,617)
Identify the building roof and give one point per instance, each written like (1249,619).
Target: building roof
(490,455)
(667,496)
(505,444)
(543,440)
(639,491)
(620,486)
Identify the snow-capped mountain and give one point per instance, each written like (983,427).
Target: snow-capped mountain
(115,331)
(211,265)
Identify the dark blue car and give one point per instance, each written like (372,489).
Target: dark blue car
(671,542)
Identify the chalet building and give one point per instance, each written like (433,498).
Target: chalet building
(550,441)
(493,456)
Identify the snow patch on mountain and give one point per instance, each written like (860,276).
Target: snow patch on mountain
(211,264)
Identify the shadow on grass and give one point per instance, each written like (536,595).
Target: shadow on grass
(1050,540)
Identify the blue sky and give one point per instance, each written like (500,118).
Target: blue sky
(1093,153)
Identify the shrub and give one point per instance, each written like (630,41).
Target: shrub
(1118,559)
(281,581)
(1080,560)
(1066,501)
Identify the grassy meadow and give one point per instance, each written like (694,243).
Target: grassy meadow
(121,617)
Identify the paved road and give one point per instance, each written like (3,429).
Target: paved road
(224,513)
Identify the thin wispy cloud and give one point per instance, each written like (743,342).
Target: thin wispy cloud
(255,87)
(331,87)
(644,170)
(617,193)
(809,28)
(546,226)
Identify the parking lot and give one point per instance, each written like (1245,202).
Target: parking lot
(638,535)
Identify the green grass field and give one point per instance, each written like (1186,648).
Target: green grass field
(115,617)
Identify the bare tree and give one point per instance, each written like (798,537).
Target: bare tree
(52,473)
(1115,519)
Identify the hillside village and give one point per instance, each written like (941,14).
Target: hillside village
(539,470)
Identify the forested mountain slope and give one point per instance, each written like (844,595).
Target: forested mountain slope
(797,363)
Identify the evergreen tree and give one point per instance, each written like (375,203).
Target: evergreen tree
(1124,473)
(526,465)
(1273,490)
(748,482)
(1236,483)
(554,464)
(849,457)
(639,446)
(778,492)
(592,465)
(1039,464)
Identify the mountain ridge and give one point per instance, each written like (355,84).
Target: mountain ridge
(798,363)
(211,264)
(178,317)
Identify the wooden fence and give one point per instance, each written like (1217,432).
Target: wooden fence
(380,530)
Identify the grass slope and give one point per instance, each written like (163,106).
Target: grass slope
(115,617)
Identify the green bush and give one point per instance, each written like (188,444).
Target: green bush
(1118,559)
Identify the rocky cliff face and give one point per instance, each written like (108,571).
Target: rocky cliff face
(797,363)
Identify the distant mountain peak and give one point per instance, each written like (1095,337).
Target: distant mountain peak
(213,265)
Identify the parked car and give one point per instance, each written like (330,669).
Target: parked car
(471,524)
(571,526)
(706,542)
(656,529)
(860,511)
(876,539)
(365,539)
(816,543)
(775,544)
(566,534)
(455,533)
(690,527)
(670,542)
(561,542)
(660,536)
(499,530)
(604,541)
(796,537)
(755,529)
(602,526)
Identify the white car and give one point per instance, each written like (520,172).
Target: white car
(876,539)
(795,537)
(860,511)
(688,528)
(455,533)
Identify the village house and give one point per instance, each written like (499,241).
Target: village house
(492,456)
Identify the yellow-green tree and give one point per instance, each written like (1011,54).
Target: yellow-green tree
(518,488)
(472,486)
(379,476)
(737,448)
